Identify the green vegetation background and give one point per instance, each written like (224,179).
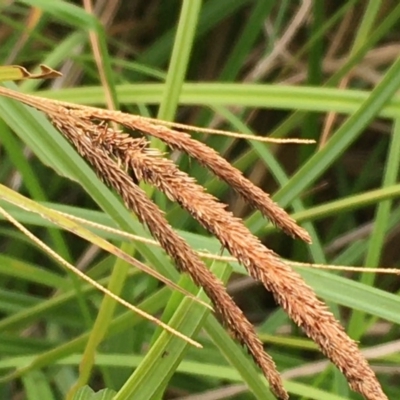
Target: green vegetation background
(255,66)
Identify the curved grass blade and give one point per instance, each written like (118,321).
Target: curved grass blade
(54,255)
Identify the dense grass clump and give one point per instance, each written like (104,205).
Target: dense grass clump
(281,69)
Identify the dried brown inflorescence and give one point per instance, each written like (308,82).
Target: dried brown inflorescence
(114,155)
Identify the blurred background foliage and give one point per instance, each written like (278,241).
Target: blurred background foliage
(319,70)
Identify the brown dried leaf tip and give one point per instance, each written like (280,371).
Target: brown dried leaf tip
(114,155)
